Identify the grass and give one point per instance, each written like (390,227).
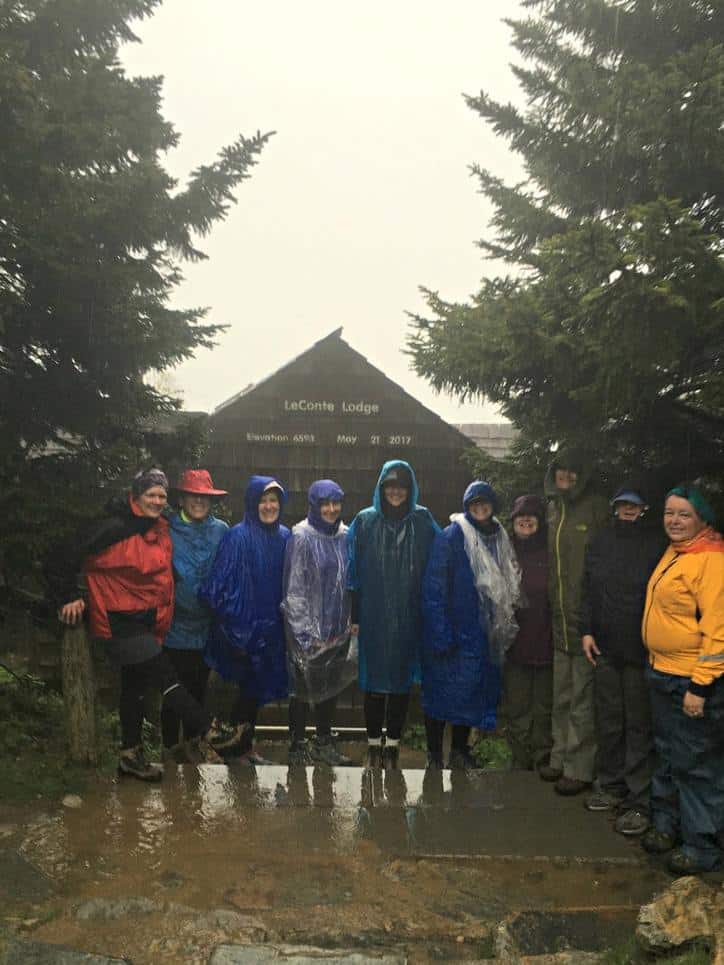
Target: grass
(33,754)
(631,954)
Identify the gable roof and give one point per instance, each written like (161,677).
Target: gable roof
(336,336)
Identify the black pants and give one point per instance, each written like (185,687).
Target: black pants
(298,711)
(623,731)
(193,673)
(393,706)
(158,673)
(435,731)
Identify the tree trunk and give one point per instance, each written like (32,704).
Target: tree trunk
(80,695)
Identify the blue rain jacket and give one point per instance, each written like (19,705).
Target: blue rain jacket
(244,591)
(386,563)
(460,684)
(194,549)
(316,606)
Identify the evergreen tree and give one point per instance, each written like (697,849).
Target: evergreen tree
(609,331)
(92,234)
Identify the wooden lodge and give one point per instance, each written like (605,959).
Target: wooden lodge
(329,413)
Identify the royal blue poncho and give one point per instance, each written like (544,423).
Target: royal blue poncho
(244,591)
(316,605)
(194,548)
(461,670)
(387,561)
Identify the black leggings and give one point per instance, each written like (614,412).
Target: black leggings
(298,711)
(193,673)
(396,707)
(435,730)
(158,673)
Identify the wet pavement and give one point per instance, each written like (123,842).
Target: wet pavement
(423,864)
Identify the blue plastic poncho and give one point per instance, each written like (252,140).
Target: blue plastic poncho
(244,590)
(322,656)
(387,561)
(461,669)
(194,548)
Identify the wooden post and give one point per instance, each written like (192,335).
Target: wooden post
(79,694)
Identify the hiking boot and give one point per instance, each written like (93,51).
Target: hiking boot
(299,755)
(434,760)
(632,823)
(681,863)
(222,737)
(601,801)
(570,786)
(462,761)
(657,842)
(548,773)
(374,756)
(324,751)
(390,757)
(132,763)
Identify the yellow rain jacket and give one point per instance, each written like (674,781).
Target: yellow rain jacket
(683,621)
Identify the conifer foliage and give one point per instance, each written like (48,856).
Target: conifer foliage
(93,231)
(609,330)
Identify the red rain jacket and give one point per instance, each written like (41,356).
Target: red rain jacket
(132,576)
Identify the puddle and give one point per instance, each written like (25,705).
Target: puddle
(315,856)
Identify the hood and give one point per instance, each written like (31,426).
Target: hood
(319,492)
(256,486)
(574,460)
(479,489)
(414,491)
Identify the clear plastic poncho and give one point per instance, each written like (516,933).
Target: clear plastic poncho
(497,577)
(322,654)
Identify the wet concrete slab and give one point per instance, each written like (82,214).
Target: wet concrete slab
(412,863)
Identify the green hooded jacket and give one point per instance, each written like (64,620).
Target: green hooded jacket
(574,516)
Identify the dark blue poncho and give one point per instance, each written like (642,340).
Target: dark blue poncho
(244,590)
(387,560)
(194,549)
(461,671)
(316,606)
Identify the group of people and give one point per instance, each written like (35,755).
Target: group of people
(600,638)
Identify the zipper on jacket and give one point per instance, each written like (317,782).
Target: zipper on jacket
(661,575)
(558,570)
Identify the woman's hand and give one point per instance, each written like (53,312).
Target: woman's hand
(72,613)
(590,649)
(693,705)
(354,629)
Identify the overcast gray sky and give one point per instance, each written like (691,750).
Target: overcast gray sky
(364,193)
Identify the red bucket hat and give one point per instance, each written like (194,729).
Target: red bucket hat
(199,482)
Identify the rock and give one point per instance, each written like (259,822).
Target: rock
(73,801)
(111,909)
(226,921)
(689,910)
(38,953)
(298,955)
(537,934)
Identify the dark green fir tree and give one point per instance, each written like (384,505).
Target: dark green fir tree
(608,331)
(93,231)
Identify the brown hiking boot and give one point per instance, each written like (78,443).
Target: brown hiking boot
(132,763)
